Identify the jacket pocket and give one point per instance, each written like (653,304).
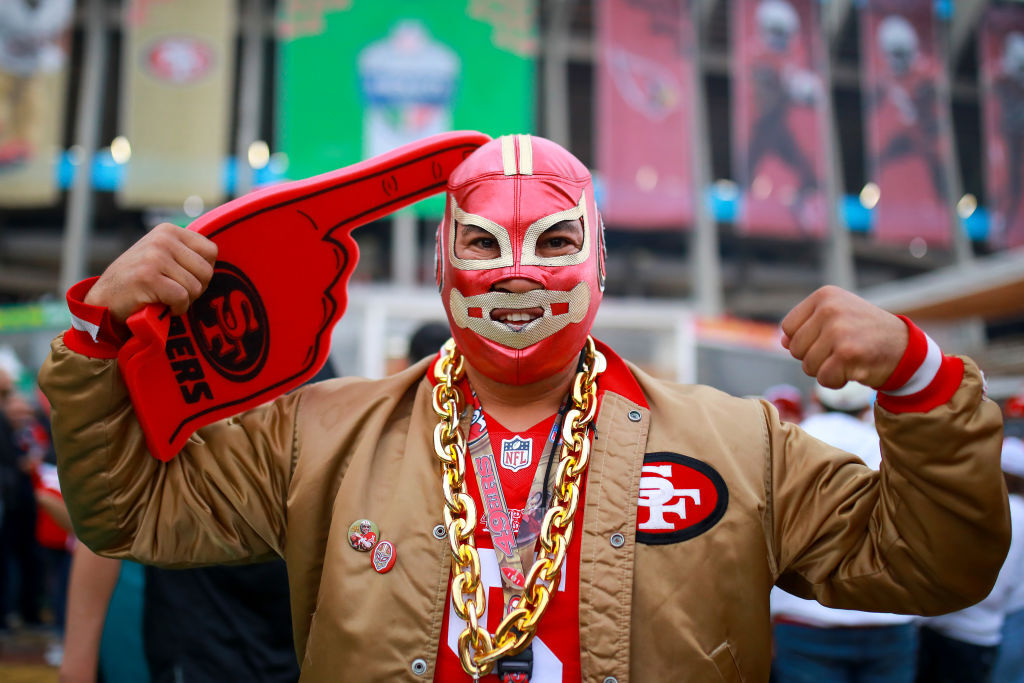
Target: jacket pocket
(726,663)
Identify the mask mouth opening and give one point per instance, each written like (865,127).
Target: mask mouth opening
(517,319)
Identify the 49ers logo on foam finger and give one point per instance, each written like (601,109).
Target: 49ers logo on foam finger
(231,324)
(680,498)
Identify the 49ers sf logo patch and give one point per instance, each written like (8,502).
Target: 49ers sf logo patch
(680,497)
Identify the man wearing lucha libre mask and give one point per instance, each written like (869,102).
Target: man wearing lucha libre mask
(547,511)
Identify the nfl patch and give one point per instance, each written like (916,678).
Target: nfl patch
(516,453)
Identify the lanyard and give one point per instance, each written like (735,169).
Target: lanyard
(514,550)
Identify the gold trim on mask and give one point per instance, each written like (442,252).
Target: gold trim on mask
(533,233)
(532,332)
(508,154)
(509,164)
(525,155)
(498,232)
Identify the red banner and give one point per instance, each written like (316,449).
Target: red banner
(1001,57)
(906,113)
(778,132)
(264,324)
(644,117)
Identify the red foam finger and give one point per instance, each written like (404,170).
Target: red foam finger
(263,326)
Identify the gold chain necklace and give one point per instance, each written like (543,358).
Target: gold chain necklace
(478,648)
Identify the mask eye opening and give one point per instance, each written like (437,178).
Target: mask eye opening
(530,256)
(502,259)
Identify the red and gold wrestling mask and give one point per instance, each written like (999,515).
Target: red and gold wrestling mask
(520,259)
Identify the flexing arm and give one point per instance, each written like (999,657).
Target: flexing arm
(929,531)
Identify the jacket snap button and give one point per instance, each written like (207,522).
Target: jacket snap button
(611,679)
(634,416)
(419,667)
(439,533)
(617,541)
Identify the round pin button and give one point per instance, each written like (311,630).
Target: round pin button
(383,556)
(363,535)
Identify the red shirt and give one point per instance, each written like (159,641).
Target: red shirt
(556,646)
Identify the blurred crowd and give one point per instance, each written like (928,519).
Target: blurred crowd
(35,541)
(983,643)
(113,621)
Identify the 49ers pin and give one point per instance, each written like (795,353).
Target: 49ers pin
(384,556)
(363,535)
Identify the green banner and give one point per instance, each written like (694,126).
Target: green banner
(47,315)
(359,78)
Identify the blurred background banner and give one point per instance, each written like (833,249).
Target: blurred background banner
(360,78)
(906,116)
(644,85)
(1001,59)
(178,71)
(779,146)
(34,41)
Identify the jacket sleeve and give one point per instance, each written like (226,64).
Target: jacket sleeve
(221,500)
(926,534)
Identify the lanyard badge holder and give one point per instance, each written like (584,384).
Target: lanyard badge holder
(515,549)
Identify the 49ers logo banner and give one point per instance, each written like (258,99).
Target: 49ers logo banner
(263,326)
(680,498)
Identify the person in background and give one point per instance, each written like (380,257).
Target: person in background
(56,542)
(818,643)
(1009,666)
(788,400)
(21,567)
(960,645)
(103,631)
(427,339)
(1010,661)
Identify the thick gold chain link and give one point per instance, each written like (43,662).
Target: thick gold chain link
(478,648)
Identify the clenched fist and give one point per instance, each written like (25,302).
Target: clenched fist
(169,266)
(841,337)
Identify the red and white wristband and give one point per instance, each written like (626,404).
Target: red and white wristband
(92,331)
(923,379)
